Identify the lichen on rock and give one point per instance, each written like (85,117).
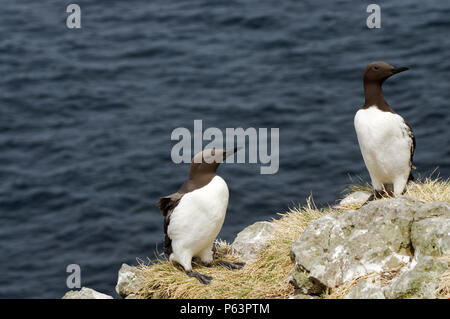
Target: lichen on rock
(399,235)
(430,232)
(419,281)
(129,282)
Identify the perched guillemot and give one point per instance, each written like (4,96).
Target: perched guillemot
(386,140)
(194,215)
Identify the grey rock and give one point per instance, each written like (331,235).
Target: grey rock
(419,281)
(250,241)
(430,232)
(85,293)
(129,281)
(365,289)
(434,209)
(431,236)
(399,240)
(358,197)
(338,248)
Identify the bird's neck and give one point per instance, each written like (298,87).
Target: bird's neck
(374,96)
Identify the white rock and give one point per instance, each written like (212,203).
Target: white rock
(358,197)
(85,293)
(335,249)
(128,281)
(401,237)
(250,241)
(419,282)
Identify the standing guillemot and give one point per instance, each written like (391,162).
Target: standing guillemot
(386,140)
(194,215)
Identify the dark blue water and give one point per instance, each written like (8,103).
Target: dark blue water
(86,116)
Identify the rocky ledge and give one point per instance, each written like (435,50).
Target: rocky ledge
(391,248)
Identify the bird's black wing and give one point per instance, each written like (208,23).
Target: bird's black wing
(413,147)
(167,204)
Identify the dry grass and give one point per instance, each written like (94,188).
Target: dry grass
(430,190)
(266,277)
(383,279)
(341,291)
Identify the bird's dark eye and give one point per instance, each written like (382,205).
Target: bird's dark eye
(375,68)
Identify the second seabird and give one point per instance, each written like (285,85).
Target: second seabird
(386,140)
(194,215)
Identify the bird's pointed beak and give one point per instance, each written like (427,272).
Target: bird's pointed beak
(399,69)
(231,151)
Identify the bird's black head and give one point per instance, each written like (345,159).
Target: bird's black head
(207,161)
(378,72)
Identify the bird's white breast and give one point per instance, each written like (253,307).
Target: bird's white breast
(384,142)
(199,216)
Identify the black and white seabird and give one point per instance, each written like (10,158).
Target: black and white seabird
(386,140)
(194,215)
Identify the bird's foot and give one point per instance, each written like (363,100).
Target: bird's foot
(380,194)
(371,198)
(230,265)
(203,279)
(375,195)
